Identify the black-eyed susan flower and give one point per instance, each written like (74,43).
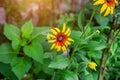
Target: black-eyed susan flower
(60,38)
(108,6)
(92,65)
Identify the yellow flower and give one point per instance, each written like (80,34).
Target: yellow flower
(60,38)
(108,6)
(92,65)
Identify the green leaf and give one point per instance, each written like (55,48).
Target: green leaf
(68,75)
(27,29)
(6,53)
(23,42)
(37,67)
(16,44)
(88,77)
(35,51)
(45,67)
(59,62)
(84,58)
(20,66)
(75,35)
(5,70)
(82,66)
(95,54)
(74,62)
(113,48)
(39,39)
(101,20)
(13,33)
(81,18)
(48,54)
(95,45)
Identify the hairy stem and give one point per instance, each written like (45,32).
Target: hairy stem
(105,49)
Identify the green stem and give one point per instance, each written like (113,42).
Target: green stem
(105,49)
(105,64)
(53,77)
(88,23)
(90,35)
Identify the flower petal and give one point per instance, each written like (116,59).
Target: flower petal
(70,39)
(57,30)
(67,32)
(103,8)
(58,47)
(63,48)
(107,11)
(67,43)
(112,10)
(64,27)
(53,31)
(53,46)
(94,68)
(116,2)
(51,41)
(99,2)
(50,36)
(92,65)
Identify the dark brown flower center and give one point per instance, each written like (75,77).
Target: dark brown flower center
(60,38)
(108,1)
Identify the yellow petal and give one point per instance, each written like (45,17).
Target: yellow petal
(69,34)
(69,39)
(52,46)
(99,2)
(94,68)
(67,43)
(68,31)
(112,10)
(57,47)
(63,48)
(103,8)
(51,41)
(57,29)
(107,11)
(116,2)
(50,36)
(92,65)
(53,31)
(64,27)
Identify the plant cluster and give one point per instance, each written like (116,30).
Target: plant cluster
(88,50)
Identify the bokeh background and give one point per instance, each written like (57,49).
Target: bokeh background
(42,12)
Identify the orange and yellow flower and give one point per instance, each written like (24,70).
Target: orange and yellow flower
(60,38)
(108,6)
(92,65)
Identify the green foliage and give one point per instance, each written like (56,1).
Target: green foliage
(35,51)
(59,62)
(5,69)
(27,29)
(25,49)
(101,20)
(27,54)
(13,34)
(6,53)
(81,18)
(20,66)
(68,75)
